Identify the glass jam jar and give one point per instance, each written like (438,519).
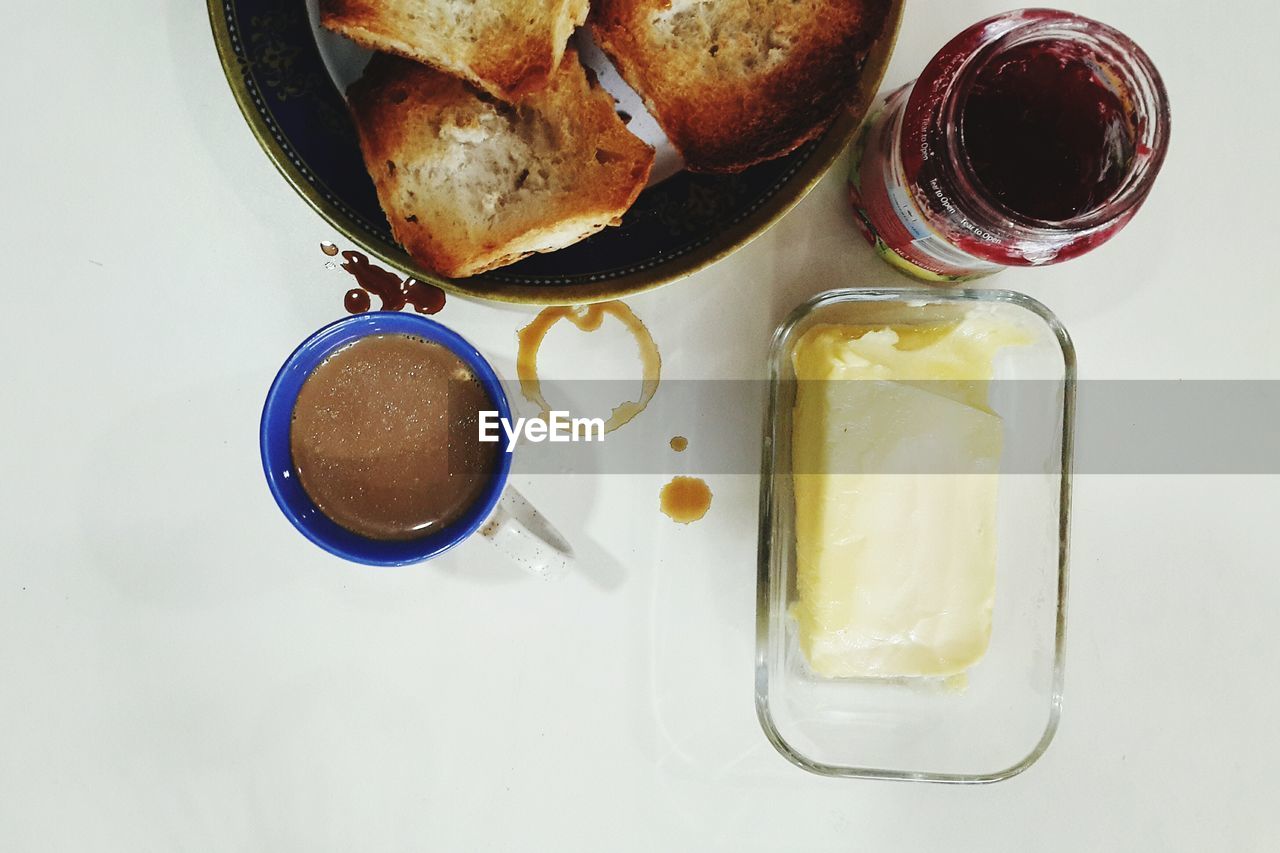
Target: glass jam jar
(1031,138)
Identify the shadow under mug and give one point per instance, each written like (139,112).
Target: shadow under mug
(505,515)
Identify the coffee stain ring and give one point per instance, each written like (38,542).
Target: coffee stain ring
(588,319)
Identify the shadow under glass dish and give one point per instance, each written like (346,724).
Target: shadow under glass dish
(686,222)
(924,729)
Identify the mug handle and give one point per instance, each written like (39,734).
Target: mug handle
(519,531)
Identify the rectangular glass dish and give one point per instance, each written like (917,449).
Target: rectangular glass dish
(998,718)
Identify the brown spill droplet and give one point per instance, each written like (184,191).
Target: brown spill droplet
(383,284)
(679,443)
(393,292)
(588,319)
(356,301)
(328,248)
(685,499)
(425,298)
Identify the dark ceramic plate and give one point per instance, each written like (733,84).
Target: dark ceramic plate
(271,58)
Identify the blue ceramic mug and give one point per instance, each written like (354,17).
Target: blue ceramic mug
(504,514)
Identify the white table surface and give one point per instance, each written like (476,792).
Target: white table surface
(179,670)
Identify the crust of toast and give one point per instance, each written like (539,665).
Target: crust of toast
(506,47)
(470,183)
(737,82)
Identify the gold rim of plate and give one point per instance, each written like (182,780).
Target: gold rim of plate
(830,145)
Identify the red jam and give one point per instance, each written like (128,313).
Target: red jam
(1032,137)
(1043,135)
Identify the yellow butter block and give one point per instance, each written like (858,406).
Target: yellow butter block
(895,479)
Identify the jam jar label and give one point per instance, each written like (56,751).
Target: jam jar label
(889,216)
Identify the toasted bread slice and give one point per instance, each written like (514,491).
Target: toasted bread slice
(506,47)
(470,183)
(736,82)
